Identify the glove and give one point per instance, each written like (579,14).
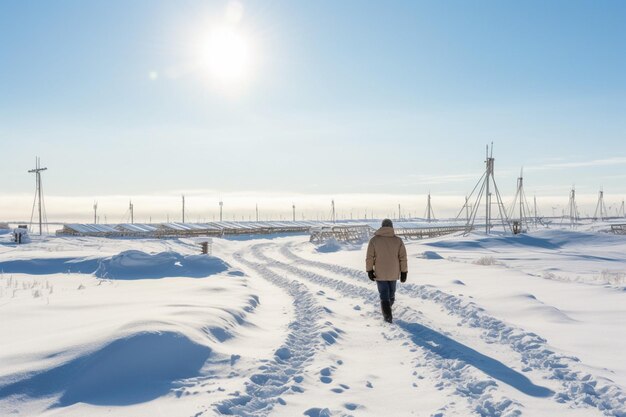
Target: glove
(371,275)
(403,277)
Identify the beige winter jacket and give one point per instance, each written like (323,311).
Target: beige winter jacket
(386,255)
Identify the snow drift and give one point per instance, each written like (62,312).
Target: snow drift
(130,370)
(134,264)
(130,264)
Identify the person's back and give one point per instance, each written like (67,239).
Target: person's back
(386,261)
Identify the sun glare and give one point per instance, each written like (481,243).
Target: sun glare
(227,55)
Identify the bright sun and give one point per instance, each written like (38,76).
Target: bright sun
(227,55)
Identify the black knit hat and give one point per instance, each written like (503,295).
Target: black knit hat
(387,223)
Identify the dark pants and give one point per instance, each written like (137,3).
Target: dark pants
(387,290)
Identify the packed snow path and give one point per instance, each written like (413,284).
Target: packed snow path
(284,372)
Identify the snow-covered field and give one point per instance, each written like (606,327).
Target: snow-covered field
(530,325)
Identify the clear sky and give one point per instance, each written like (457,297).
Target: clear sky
(128,99)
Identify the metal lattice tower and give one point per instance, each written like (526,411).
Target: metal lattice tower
(520,202)
(41,208)
(483,188)
(600,207)
(430,214)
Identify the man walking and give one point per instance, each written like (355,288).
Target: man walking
(385,262)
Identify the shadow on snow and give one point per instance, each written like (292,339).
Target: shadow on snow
(448,348)
(127,371)
(130,264)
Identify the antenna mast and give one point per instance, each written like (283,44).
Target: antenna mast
(484,189)
(573,208)
(430,214)
(520,196)
(600,207)
(38,195)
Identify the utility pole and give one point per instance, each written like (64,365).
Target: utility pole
(399,213)
(489,162)
(333,210)
(430,213)
(38,194)
(257,212)
(132,212)
(95,212)
(221,207)
(183,208)
(293,206)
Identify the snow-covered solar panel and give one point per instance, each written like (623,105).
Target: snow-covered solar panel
(136,227)
(172,226)
(90,228)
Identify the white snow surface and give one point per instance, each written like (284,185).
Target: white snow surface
(507,326)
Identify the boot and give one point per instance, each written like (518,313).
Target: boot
(386,307)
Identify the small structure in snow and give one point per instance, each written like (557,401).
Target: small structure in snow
(353,233)
(207,246)
(20,234)
(619,229)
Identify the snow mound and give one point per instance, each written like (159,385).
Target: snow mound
(429,254)
(133,264)
(129,370)
(333,245)
(544,239)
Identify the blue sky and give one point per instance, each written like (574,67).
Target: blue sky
(342,97)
